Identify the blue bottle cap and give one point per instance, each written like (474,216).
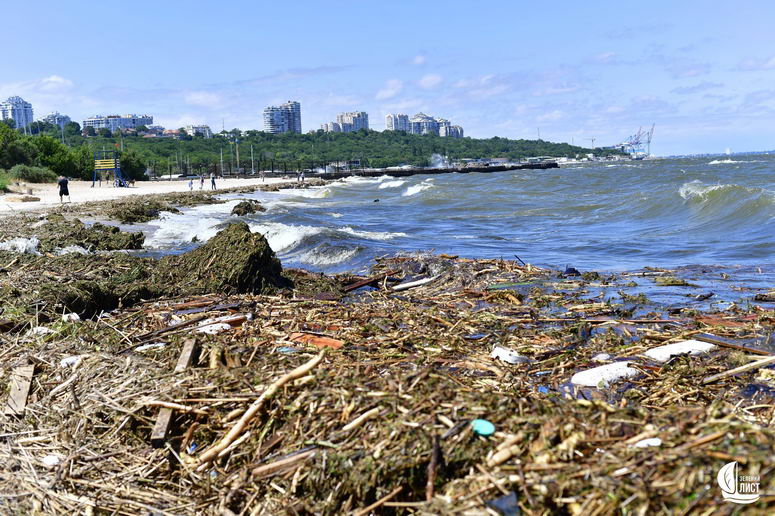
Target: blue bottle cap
(482,427)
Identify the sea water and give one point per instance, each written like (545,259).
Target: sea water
(594,216)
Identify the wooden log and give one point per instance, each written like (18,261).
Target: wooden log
(161,428)
(21,382)
(369,281)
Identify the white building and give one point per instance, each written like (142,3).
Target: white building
(353,121)
(115,122)
(331,127)
(56,118)
(18,110)
(285,118)
(451,131)
(397,122)
(204,130)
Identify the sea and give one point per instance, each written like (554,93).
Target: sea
(601,216)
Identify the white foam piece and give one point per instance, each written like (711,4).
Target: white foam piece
(148,347)
(71,361)
(213,329)
(71,317)
(693,347)
(51,460)
(646,443)
(601,357)
(604,375)
(509,356)
(72,249)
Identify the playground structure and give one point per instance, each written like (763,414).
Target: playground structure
(107,162)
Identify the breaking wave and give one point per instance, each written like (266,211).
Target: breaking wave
(415,189)
(392,184)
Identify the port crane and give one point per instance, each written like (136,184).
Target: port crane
(639,144)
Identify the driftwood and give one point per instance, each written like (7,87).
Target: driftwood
(21,381)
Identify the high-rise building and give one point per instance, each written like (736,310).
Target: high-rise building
(203,130)
(56,118)
(397,122)
(285,118)
(331,127)
(18,110)
(115,122)
(423,124)
(451,131)
(353,121)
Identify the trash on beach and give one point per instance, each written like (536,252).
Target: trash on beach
(71,361)
(40,330)
(601,357)
(506,505)
(149,347)
(413,284)
(319,341)
(482,427)
(71,317)
(51,460)
(508,356)
(692,347)
(647,443)
(214,329)
(604,375)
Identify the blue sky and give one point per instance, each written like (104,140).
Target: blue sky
(704,72)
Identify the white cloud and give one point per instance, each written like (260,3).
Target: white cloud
(419,60)
(430,81)
(757,64)
(203,98)
(391,89)
(551,116)
(55,83)
(606,57)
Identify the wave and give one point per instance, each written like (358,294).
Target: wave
(323,255)
(21,245)
(392,184)
(372,235)
(696,190)
(283,238)
(722,161)
(415,189)
(174,229)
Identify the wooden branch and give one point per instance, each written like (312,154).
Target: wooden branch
(254,408)
(712,339)
(378,503)
(369,281)
(358,421)
(282,463)
(21,382)
(743,368)
(186,355)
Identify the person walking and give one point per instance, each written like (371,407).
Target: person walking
(191,185)
(63,190)
(201,181)
(212,181)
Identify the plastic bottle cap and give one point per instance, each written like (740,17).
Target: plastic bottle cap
(482,427)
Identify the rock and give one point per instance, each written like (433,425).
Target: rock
(693,347)
(247,207)
(604,375)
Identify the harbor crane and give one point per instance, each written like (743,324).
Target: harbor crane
(639,144)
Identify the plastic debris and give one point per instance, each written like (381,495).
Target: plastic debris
(40,330)
(508,356)
(506,505)
(71,317)
(482,427)
(51,460)
(604,375)
(543,389)
(146,347)
(646,443)
(71,361)
(214,329)
(601,357)
(693,347)
(191,448)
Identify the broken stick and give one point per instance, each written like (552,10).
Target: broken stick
(21,381)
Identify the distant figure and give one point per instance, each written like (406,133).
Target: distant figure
(263,176)
(191,185)
(201,181)
(62,182)
(212,181)
(302,176)
(100,180)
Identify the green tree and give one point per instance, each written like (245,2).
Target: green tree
(104,132)
(132,165)
(89,131)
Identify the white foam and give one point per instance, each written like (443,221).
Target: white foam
(322,258)
(335,215)
(722,161)
(21,245)
(392,184)
(284,237)
(415,189)
(371,235)
(176,228)
(695,189)
(604,375)
(693,347)
(72,249)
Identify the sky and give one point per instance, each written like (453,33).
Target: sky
(702,71)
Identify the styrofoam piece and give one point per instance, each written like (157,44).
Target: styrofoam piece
(412,284)
(603,375)
(147,347)
(213,329)
(508,356)
(71,361)
(693,347)
(646,443)
(71,317)
(40,330)
(601,357)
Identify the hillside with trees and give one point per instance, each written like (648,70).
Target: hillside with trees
(194,154)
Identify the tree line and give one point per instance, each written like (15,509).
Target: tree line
(69,151)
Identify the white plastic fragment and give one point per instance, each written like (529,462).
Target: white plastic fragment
(72,249)
(601,357)
(508,356)
(412,284)
(51,460)
(645,443)
(693,347)
(603,375)
(214,329)
(71,361)
(154,345)
(71,317)
(40,330)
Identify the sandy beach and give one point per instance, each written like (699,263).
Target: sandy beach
(82,191)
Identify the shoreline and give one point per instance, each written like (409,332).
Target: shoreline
(166,359)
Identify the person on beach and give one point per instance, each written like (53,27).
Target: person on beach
(191,185)
(212,181)
(201,181)
(63,190)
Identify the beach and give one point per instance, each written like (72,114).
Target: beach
(82,191)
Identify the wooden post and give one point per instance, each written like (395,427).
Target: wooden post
(164,420)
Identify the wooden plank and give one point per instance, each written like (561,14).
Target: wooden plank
(164,419)
(21,382)
(186,355)
(161,428)
(748,367)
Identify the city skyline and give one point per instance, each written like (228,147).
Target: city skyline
(503,71)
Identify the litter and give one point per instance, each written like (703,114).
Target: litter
(482,427)
(508,356)
(604,375)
